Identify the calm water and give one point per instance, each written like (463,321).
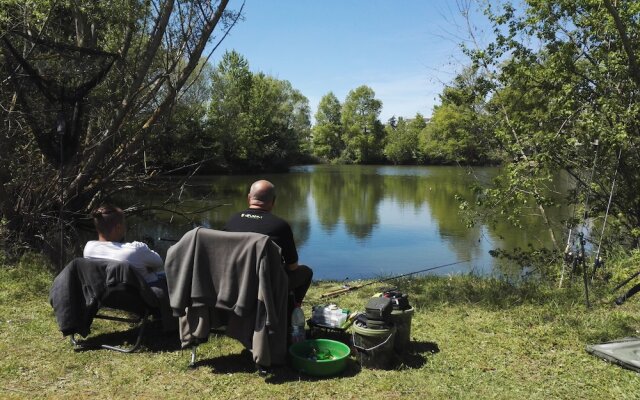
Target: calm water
(353,222)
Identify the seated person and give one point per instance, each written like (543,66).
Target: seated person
(258,218)
(110,225)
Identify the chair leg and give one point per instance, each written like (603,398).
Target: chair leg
(75,343)
(79,345)
(192,364)
(138,339)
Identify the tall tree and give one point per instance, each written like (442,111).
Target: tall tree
(363,131)
(85,84)
(327,131)
(231,83)
(277,111)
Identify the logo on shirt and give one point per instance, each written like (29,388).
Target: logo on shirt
(253,216)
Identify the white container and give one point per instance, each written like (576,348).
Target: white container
(330,315)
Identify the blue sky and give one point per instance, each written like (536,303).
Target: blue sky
(404,50)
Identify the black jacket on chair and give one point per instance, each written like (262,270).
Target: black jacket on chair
(78,290)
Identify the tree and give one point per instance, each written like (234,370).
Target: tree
(563,80)
(402,140)
(363,131)
(187,123)
(261,122)
(86,85)
(328,132)
(457,132)
(279,123)
(228,116)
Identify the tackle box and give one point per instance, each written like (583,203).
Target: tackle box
(378,308)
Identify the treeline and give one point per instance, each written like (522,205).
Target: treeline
(232,119)
(351,132)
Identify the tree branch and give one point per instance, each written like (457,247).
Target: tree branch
(626,43)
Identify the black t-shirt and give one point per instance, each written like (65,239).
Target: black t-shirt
(260,221)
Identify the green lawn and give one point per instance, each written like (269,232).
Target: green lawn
(471,338)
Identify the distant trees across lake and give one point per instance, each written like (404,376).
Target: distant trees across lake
(232,119)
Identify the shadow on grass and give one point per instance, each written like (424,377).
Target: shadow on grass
(154,340)
(286,374)
(228,364)
(417,355)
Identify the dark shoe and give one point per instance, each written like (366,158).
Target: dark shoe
(262,370)
(620,300)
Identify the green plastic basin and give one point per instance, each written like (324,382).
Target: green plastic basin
(319,357)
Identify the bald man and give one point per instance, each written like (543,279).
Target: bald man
(258,218)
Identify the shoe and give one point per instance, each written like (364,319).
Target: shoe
(619,300)
(262,370)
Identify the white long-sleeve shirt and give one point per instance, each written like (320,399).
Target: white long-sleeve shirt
(137,254)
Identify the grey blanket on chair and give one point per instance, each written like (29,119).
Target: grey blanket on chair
(234,277)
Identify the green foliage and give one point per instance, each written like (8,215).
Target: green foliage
(187,123)
(327,131)
(363,132)
(86,93)
(402,140)
(559,90)
(458,131)
(257,121)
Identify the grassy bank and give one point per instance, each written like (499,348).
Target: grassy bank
(471,338)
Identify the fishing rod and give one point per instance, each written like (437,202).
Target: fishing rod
(60,129)
(598,261)
(352,288)
(626,281)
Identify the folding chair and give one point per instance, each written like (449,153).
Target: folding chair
(230,279)
(103,289)
(117,299)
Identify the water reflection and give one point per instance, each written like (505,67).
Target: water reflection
(358,221)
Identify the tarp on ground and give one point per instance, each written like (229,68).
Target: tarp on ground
(624,352)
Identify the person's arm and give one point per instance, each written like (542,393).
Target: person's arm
(292,267)
(147,257)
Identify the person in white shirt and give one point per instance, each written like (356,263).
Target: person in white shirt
(110,225)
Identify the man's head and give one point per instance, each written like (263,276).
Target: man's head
(262,195)
(109,222)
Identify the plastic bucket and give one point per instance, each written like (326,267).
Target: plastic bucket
(319,357)
(374,346)
(402,321)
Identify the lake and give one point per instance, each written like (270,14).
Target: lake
(355,222)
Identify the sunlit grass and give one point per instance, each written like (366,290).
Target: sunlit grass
(471,338)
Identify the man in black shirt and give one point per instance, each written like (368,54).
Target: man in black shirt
(258,218)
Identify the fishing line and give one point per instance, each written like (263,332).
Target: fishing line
(352,288)
(606,214)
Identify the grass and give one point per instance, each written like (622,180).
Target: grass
(471,338)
